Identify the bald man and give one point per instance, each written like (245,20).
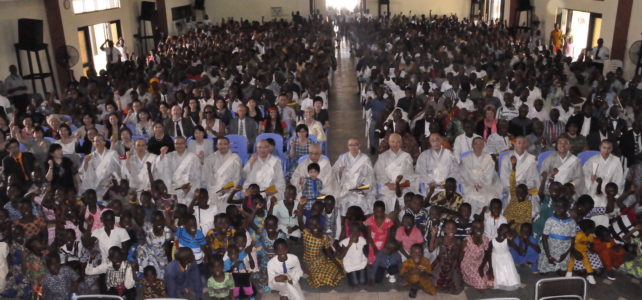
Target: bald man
(390,164)
(526,170)
(326,175)
(135,166)
(265,170)
(354,169)
(180,170)
(437,163)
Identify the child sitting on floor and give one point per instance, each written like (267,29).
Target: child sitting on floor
(611,254)
(387,263)
(417,272)
(153,287)
(526,250)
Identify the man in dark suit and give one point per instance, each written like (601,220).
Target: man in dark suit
(244,126)
(18,164)
(586,115)
(425,126)
(177,125)
(631,143)
(595,138)
(617,125)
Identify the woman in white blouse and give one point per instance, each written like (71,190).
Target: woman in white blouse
(68,143)
(314,127)
(144,124)
(199,144)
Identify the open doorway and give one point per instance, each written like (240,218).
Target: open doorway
(339,5)
(90,39)
(580,29)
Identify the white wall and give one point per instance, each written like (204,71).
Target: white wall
(255,9)
(10,12)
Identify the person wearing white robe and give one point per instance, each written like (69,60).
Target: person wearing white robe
(134,168)
(526,170)
(478,177)
(284,271)
(389,165)
(604,165)
(464,142)
(180,170)
(98,168)
(354,169)
(436,164)
(220,168)
(563,166)
(264,169)
(326,175)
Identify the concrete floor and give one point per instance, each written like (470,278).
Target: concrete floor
(346,122)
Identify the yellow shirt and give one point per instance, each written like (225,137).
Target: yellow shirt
(582,241)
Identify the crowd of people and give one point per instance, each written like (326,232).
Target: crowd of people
(493,153)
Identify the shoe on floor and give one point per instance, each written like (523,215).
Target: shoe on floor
(610,275)
(590,279)
(392,279)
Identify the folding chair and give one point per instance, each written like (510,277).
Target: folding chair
(560,288)
(541,157)
(238,145)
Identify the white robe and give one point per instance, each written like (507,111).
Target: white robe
(610,170)
(265,173)
(526,170)
(218,171)
(435,166)
(479,170)
(569,170)
(99,171)
(357,171)
(326,175)
(293,270)
(463,144)
(177,170)
(388,166)
(135,170)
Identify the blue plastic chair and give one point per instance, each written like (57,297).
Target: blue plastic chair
(277,138)
(306,156)
(23,148)
(586,155)
(499,161)
(139,137)
(541,157)
(461,156)
(238,145)
(131,128)
(50,139)
(67,118)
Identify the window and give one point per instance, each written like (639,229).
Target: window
(85,6)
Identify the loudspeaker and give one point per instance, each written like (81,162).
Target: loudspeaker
(147,10)
(30,33)
(524,5)
(199,4)
(384,2)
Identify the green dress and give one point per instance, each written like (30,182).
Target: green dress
(634,267)
(545,212)
(220,289)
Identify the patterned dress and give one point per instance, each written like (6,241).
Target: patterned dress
(473,256)
(321,269)
(545,212)
(220,241)
(634,267)
(560,233)
(152,252)
(446,269)
(299,151)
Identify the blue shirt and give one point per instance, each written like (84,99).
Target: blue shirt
(183,283)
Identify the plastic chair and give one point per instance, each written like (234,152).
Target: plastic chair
(306,156)
(238,145)
(23,148)
(138,137)
(131,128)
(541,157)
(461,156)
(277,138)
(560,288)
(67,118)
(586,155)
(50,139)
(499,161)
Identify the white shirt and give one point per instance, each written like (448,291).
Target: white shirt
(12,82)
(354,260)
(463,144)
(242,127)
(586,126)
(205,218)
(116,237)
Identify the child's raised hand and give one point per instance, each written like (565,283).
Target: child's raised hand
(303,201)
